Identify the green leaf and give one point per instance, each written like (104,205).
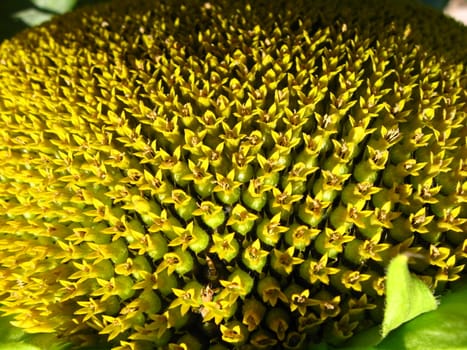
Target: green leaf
(18,346)
(45,341)
(406,295)
(8,333)
(441,329)
(13,338)
(33,17)
(57,6)
(45,10)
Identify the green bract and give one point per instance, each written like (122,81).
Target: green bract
(406,297)
(228,174)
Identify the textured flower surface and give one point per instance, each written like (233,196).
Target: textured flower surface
(234,175)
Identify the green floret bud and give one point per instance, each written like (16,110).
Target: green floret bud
(254,257)
(135,267)
(283,261)
(183,203)
(192,236)
(270,231)
(277,320)
(317,271)
(253,313)
(211,214)
(239,284)
(186,342)
(282,202)
(298,177)
(227,189)
(313,211)
(234,333)
(241,220)
(300,236)
(255,196)
(179,261)
(120,286)
(262,339)
(154,244)
(270,291)
(331,242)
(226,246)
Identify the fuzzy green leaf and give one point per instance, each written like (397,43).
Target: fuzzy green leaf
(18,346)
(444,328)
(33,17)
(14,338)
(57,6)
(406,295)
